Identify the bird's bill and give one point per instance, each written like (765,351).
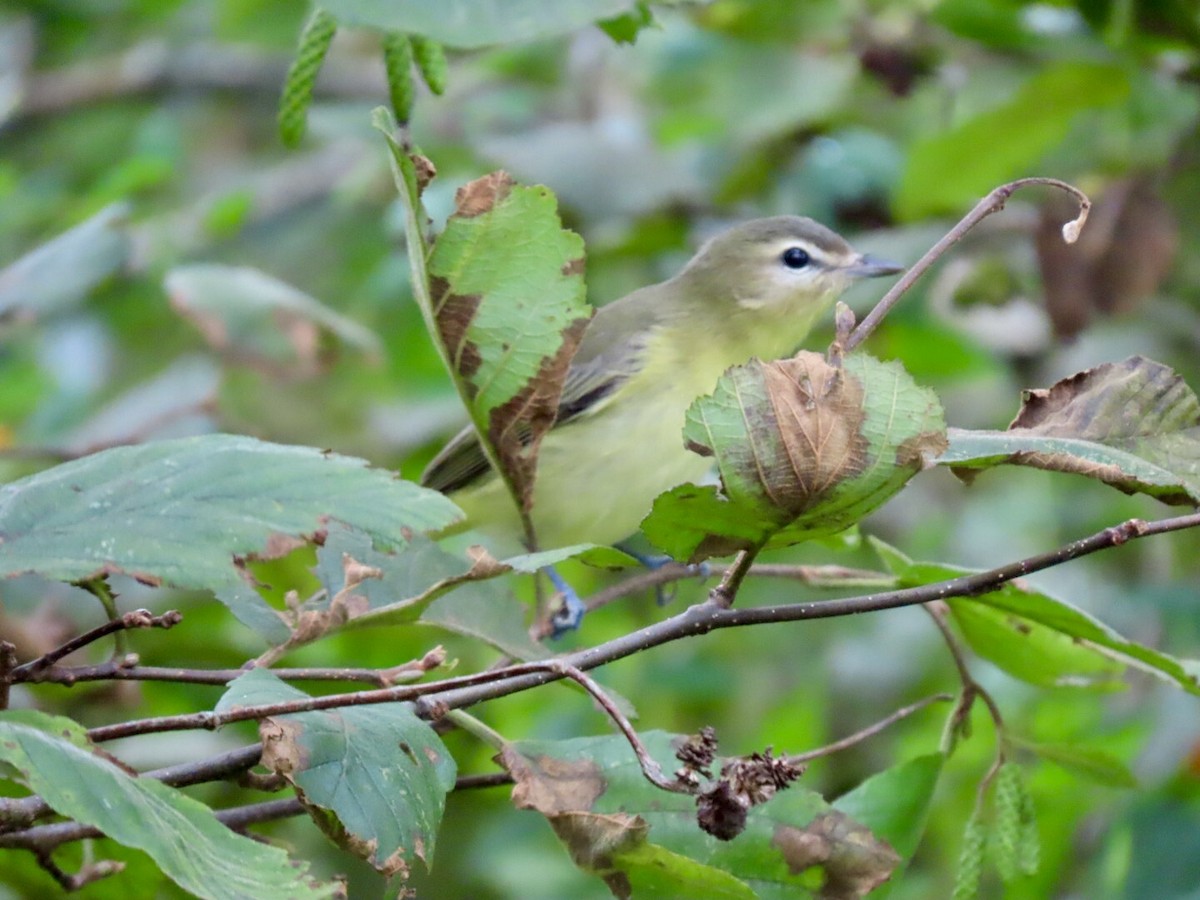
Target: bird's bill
(867,266)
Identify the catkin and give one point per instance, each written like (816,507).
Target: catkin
(431,60)
(398,60)
(302,75)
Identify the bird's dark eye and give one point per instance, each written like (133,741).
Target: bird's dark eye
(795,257)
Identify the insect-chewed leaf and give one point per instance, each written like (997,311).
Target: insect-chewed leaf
(375,779)
(507,290)
(804,449)
(1135,425)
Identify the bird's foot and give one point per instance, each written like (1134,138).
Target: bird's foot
(570,614)
(654,561)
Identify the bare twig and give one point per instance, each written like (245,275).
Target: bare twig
(870,731)
(971,689)
(725,593)
(992,203)
(650,768)
(490,779)
(89,872)
(818,576)
(127,669)
(138,618)
(467,690)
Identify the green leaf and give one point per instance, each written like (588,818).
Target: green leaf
(181,512)
(1092,763)
(804,450)
(895,803)
(253,316)
(506,281)
(1033,652)
(949,170)
(1077,628)
(595,796)
(180,834)
(62,272)
(381,772)
(477,23)
(1134,425)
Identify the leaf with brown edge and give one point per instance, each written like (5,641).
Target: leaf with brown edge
(804,449)
(509,303)
(645,842)
(1134,425)
(853,860)
(374,779)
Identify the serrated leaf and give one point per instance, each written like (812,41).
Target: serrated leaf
(1092,763)
(180,512)
(948,170)
(792,843)
(381,771)
(61,272)
(477,23)
(254,317)
(804,449)
(508,296)
(1077,627)
(1134,425)
(180,834)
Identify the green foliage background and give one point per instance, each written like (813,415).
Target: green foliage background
(884,120)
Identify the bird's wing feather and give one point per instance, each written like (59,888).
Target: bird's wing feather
(610,353)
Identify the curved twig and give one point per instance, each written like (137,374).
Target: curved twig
(992,203)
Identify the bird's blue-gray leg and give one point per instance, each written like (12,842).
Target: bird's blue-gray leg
(653,561)
(568,616)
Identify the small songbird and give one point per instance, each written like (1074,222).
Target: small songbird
(752,291)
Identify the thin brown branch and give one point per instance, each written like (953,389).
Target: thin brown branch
(650,767)
(870,731)
(465,691)
(958,723)
(138,618)
(992,203)
(240,817)
(818,576)
(127,669)
(89,872)
(490,779)
(725,593)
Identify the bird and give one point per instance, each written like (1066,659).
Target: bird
(752,291)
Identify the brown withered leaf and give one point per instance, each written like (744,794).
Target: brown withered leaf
(551,785)
(1134,425)
(854,861)
(820,413)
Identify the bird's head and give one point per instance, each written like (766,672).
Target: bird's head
(784,264)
